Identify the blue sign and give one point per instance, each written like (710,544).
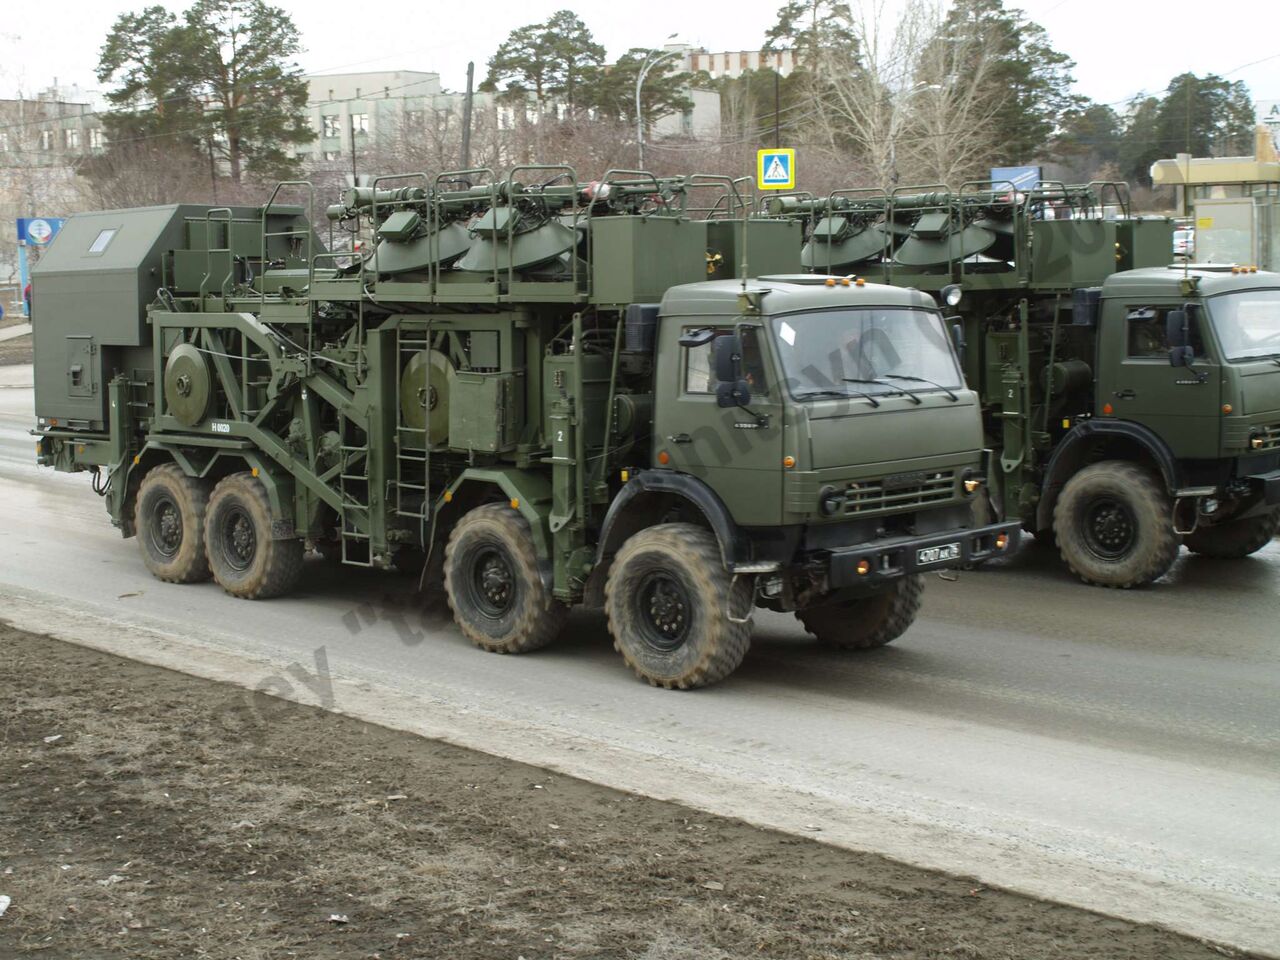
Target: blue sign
(1022,178)
(34,233)
(38,231)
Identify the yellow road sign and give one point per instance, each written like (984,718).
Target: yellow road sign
(776,169)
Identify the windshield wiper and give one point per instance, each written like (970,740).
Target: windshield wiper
(916,400)
(811,394)
(932,383)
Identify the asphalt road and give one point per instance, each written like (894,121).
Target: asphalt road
(1115,750)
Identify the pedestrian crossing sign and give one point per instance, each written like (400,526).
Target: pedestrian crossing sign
(776,169)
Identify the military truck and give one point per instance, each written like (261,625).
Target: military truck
(1134,405)
(540,394)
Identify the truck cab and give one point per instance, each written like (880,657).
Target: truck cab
(824,427)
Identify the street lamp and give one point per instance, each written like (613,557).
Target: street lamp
(647,65)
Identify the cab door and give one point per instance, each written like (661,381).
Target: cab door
(1183,405)
(737,451)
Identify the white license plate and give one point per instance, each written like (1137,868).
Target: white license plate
(928,555)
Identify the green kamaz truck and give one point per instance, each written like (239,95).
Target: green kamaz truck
(542,395)
(1134,405)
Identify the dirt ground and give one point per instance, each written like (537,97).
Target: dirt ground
(148,814)
(17,350)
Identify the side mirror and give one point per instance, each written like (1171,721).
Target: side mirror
(1176,329)
(1181,356)
(726,357)
(697,338)
(957,337)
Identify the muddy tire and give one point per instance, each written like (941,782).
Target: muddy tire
(667,599)
(1235,538)
(494,586)
(245,560)
(169,514)
(1114,525)
(867,622)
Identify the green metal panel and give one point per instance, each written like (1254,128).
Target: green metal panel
(635,259)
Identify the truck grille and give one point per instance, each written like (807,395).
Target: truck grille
(899,491)
(1270,436)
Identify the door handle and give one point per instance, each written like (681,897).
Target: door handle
(680,438)
(1126,394)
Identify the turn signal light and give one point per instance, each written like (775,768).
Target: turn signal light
(1108,409)
(663,457)
(831,281)
(863,567)
(1255,442)
(971,485)
(860,282)
(1227,408)
(1002,541)
(788,462)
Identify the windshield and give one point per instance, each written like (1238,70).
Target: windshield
(1247,323)
(868,351)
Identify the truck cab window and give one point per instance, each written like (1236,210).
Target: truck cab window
(700,378)
(1147,336)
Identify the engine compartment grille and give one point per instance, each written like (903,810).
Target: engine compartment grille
(899,491)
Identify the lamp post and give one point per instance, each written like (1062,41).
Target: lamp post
(647,65)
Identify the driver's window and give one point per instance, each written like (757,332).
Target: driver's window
(1147,333)
(700,378)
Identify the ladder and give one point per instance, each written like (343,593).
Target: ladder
(413,444)
(353,485)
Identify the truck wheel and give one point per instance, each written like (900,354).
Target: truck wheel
(170,514)
(494,586)
(1114,525)
(1235,538)
(245,560)
(668,600)
(868,621)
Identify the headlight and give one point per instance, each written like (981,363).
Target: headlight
(951,294)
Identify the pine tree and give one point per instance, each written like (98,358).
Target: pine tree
(557,60)
(220,78)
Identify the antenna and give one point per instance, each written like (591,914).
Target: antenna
(746,209)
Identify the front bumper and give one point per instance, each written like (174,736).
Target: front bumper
(1269,484)
(890,559)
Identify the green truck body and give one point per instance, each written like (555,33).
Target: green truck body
(540,396)
(1134,404)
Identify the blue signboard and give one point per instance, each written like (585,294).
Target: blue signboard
(1022,178)
(33,233)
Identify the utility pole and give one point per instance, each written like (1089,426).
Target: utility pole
(351,129)
(466,115)
(777,99)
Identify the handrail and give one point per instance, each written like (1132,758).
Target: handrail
(209,251)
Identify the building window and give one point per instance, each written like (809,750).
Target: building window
(46,139)
(360,122)
(332,155)
(96,139)
(329,125)
(415,119)
(4,141)
(72,138)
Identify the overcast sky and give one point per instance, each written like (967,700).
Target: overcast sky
(1120,48)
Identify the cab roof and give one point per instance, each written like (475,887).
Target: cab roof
(786,294)
(1164,281)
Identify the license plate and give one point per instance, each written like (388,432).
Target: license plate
(928,555)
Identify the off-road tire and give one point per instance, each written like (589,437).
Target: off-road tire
(494,586)
(169,516)
(1096,507)
(245,560)
(678,560)
(1235,538)
(867,622)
